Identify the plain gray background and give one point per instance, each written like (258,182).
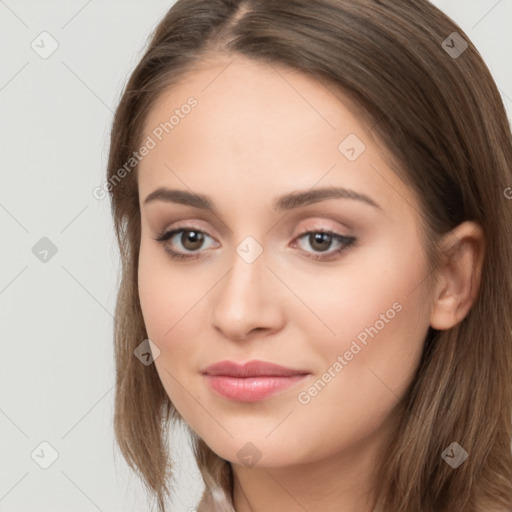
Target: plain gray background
(56,362)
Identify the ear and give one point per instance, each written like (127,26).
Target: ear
(462,251)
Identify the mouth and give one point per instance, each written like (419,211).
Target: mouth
(253,381)
(253,368)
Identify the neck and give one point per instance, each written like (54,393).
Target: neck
(340,483)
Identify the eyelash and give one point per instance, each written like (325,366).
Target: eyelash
(346,241)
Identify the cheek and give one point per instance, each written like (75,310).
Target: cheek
(367,288)
(175,305)
(367,366)
(166,292)
(371,326)
(167,302)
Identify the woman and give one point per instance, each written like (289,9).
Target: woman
(311,201)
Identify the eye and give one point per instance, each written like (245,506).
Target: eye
(320,241)
(191,239)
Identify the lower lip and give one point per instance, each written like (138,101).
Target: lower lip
(251,389)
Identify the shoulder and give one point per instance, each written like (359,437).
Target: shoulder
(218,502)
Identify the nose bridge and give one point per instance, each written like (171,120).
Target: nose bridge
(245,282)
(244,300)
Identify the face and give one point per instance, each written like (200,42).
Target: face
(278,267)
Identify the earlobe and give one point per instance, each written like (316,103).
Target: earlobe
(459,275)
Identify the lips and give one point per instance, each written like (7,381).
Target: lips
(251,382)
(251,369)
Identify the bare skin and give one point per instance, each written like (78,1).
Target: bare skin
(259,132)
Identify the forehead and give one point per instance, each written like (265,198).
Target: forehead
(264,127)
(246,90)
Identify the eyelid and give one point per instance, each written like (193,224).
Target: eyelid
(323,224)
(317,226)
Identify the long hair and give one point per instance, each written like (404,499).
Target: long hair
(436,108)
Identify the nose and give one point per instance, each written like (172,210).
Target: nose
(247,301)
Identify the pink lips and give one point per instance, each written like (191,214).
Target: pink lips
(253,381)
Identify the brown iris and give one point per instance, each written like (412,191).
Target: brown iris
(192,240)
(320,241)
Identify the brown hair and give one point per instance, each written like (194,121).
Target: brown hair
(442,118)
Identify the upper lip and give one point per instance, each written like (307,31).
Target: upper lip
(253,368)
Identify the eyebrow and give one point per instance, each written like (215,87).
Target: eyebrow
(283,203)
